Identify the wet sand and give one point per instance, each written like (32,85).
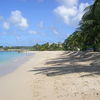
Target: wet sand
(12,64)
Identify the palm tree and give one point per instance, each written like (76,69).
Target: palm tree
(92,12)
(91,20)
(88,34)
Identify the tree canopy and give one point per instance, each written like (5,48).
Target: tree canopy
(87,35)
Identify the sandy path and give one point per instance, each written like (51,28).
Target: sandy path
(54,76)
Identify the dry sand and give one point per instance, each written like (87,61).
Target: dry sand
(54,75)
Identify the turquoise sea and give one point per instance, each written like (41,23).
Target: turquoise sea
(10,61)
(7,56)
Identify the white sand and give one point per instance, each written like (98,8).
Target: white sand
(54,76)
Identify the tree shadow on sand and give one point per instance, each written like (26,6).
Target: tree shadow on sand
(69,62)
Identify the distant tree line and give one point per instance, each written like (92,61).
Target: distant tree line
(37,47)
(1,46)
(47,47)
(15,47)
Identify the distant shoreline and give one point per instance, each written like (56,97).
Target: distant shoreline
(17,50)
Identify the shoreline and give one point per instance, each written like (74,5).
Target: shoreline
(8,67)
(54,75)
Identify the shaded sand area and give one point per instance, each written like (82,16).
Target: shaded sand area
(54,75)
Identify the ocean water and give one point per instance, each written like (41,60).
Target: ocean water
(7,56)
(10,61)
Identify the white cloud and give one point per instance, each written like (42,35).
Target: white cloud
(80,13)
(70,12)
(17,19)
(6,25)
(32,32)
(65,13)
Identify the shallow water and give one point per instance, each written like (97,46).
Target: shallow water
(10,61)
(7,56)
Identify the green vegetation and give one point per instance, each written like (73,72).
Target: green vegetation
(37,47)
(87,36)
(47,47)
(15,48)
(1,46)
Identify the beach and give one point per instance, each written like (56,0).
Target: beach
(54,75)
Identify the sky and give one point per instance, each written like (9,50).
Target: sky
(27,22)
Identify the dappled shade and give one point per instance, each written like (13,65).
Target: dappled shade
(71,62)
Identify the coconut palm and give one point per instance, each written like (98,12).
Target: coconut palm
(88,34)
(91,20)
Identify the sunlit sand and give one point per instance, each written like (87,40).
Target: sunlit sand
(54,75)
